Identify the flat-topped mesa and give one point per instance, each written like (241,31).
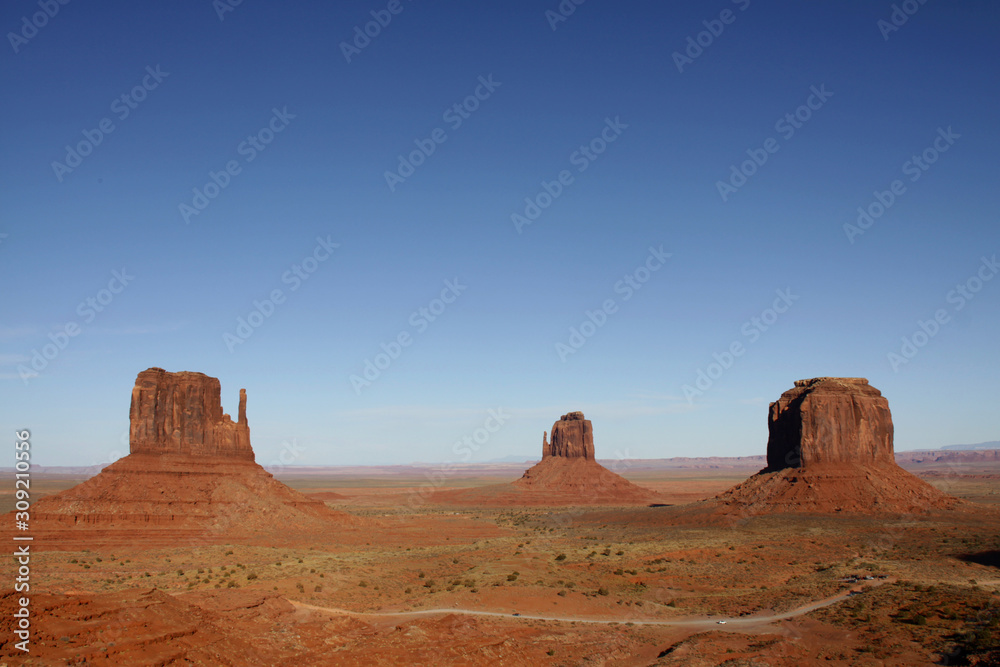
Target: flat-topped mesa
(181,413)
(829,420)
(572,438)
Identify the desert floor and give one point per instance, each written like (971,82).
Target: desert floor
(418,583)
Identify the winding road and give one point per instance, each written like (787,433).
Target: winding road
(690,622)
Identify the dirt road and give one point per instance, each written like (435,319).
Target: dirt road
(697,622)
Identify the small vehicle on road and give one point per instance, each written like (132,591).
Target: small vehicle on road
(720,622)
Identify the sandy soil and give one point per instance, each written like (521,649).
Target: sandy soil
(424,584)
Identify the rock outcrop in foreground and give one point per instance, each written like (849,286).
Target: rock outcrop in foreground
(568,474)
(190,478)
(830,449)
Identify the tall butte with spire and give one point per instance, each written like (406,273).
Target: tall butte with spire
(181,413)
(830,449)
(190,476)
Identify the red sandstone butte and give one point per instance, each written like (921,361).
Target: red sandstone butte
(830,449)
(829,420)
(190,478)
(181,413)
(568,474)
(572,437)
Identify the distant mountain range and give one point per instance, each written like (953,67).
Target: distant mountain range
(516,458)
(995,444)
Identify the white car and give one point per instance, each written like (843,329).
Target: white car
(720,622)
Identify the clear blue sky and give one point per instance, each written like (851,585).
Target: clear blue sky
(196,87)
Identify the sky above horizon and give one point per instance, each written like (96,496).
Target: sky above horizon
(422,232)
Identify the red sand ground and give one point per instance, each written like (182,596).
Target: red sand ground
(824,489)
(130,595)
(171,498)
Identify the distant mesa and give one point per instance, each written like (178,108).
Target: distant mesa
(190,477)
(829,449)
(568,474)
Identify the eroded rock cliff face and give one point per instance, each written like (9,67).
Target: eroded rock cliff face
(572,438)
(829,420)
(181,413)
(830,449)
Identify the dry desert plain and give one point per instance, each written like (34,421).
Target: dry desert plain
(412,581)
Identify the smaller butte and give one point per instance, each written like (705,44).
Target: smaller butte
(568,474)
